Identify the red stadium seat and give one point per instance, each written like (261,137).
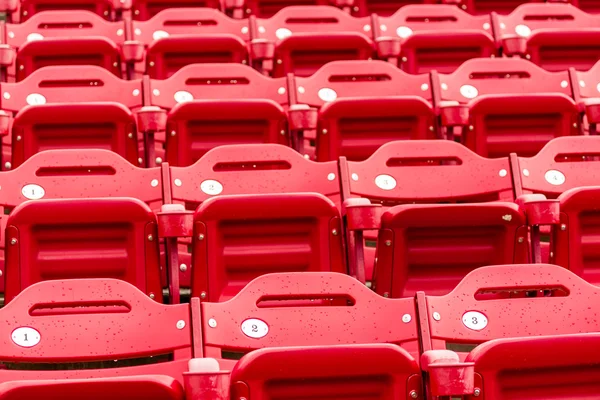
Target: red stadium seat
(396,172)
(237,238)
(304,38)
(218,104)
(494,304)
(563,164)
(480,7)
(574,243)
(81,337)
(385,8)
(553,36)
(65,38)
(178,37)
(80,107)
(82,238)
(336,304)
(436,37)
(364,104)
(143,10)
(432,247)
(248,169)
(505,106)
(355,371)
(268,8)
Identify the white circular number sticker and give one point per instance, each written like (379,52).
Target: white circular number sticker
(35,99)
(25,337)
(468,91)
(404,32)
(523,30)
(327,94)
(555,177)
(255,328)
(211,187)
(283,33)
(33,191)
(385,182)
(474,320)
(182,96)
(34,36)
(159,35)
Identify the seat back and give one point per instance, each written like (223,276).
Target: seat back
(431,248)
(547,33)
(89,332)
(509,301)
(82,238)
(252,169)
(143,10)
(539,367)
(104,8)
(364,104)
(214,105)
(564,163)
(237,238)
(351,371)
(437,37)
(479,7)
(58,38)
(574,242)
(335,306)
(396,172)
(513,106)
(307,37)
(178,37)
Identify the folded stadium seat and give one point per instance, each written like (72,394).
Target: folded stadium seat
(82,238)
(503,106)
(265,314)
(246,170)
(177,37)
(63,38)
(364,372)
(564,163)
(239,237)
(554,36)
(81,338)
(108,9)
(574,244)
(502,320)
(434,37)
(77,107)
(210,105)
(362,105)
(586,92)
(63,174)
(396,172)
(143,10)
(301,39)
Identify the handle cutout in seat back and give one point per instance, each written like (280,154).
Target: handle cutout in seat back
(99,170)
(252,166)
(360,78)
(423,161)
(79,308)
(317,300)
(57,83)
(521,292)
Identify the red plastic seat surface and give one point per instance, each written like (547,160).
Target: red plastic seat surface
(177,37)
(82,238)
(107,9)
(357,371)
(511,105)
(364,104)
(546,34)
(437,37)
(143,10)
(239,237)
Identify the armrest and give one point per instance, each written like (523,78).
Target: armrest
(205,380)
(591,109)
(302,117)
(388,47)
(454,114)
(362,215)
(7,55)
(539,210)
(514,46)
(151,119)
(447,375)
(133,51)
(175,221)
(5,119)
(262,49)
